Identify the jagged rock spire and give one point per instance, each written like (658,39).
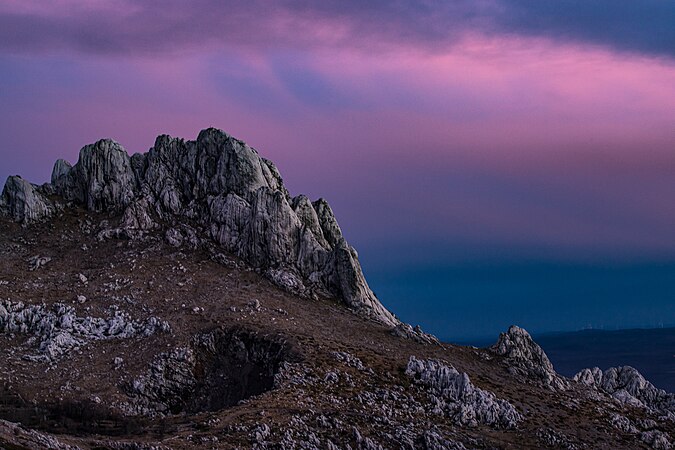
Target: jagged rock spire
(526,357)
(237,197)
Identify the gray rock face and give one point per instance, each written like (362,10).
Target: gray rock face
(25,202)
(102,179)
(525,357)
(628,386)
(453,395)
(234,195)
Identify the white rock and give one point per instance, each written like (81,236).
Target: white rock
(628,386)
(453,394)
(524,356)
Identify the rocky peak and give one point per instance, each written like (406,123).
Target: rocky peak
(234,197)
(102,179)
(525,357)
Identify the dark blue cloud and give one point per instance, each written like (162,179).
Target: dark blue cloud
(645,26)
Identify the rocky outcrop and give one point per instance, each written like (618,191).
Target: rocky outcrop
(453,395)
(407,331)
(525,358)
(25,202)
(223,186)
(656,439)
(56,330)
(628,386)
(102,179)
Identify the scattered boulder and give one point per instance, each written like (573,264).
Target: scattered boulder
(623,423)
(15,436)
(36,262)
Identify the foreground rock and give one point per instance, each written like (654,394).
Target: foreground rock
(453,395)
(628,386)
(237,199)
(58,329)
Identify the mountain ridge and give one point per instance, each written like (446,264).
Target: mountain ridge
(224,185)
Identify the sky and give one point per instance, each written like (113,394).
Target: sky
(493,161)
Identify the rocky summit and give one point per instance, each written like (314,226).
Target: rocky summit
(182,298)
(215,187)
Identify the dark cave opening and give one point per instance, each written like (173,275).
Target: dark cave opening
(229,365)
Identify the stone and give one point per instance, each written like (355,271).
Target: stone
(102,178)
(524,357)
(656,439)
(57,329)
(23,438)
(36,262)
(627,385)
(623,423)
(453,395)
(406,331)
(25,202)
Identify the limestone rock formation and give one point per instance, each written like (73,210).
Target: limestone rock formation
(218,183)
(25,202)
(102,179)
(58,329)
(525,357)
(453,395)
(217,370)
(628,386)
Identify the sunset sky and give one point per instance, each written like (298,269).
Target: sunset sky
(493,161)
